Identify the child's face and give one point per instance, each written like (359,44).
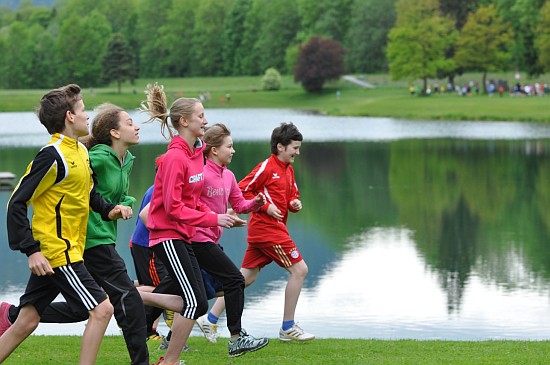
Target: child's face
(80,119)
(287,154)
(224,153)
(127,130)
(197,121)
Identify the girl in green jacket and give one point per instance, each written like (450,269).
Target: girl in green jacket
(113,133)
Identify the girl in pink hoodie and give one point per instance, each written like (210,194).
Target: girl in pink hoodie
(174,213)
(220,189)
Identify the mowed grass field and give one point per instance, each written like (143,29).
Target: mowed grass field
(388,98)
(65,350)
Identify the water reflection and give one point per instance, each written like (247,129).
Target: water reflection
(425,238)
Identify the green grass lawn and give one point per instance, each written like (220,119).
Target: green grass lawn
(387,99)
(65,350)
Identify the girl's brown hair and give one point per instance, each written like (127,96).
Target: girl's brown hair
(214,136)
(107,118)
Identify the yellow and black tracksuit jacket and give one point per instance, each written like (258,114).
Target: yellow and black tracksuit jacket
(59,183)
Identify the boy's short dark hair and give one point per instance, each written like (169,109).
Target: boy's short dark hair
(54,106)
(284,134)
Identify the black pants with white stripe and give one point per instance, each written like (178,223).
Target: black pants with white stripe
(109,270)
(212,259)
(184,276)
(73,281)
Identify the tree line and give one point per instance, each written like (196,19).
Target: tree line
(94,42)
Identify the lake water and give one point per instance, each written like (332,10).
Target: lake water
(411,229)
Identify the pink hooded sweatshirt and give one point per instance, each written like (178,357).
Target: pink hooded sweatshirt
(175,209)
(220,187)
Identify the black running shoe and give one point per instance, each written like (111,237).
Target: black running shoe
(245,343)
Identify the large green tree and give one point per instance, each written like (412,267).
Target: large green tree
(419,42)
(523,18)
(247,54)
(278,31)
(173,47)
(81,46)
(45,63)
(542,42)
(206,50)
(27,57)
(233,35)
(118,61)
(458,10)
(117,13)
(484,42)
(371,21)
(130,33)
(152,15)
(18,56)
(328,18)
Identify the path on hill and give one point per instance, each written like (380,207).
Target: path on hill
(359,82)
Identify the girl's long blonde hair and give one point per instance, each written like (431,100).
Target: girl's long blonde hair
(156,107)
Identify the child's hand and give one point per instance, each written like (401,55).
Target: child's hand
(260,199)
(120,211)
(238,221)
(274,212)
(296,204)
(39,265)
(226,220)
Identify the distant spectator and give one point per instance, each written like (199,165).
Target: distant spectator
(491,89)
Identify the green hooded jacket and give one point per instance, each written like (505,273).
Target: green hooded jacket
(113,182)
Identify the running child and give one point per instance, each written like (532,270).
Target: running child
(220,189)
(175,211)
(268,237)
(61,188)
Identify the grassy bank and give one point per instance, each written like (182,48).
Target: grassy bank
(65,350)
(387,99)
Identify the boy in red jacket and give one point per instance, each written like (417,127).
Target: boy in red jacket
(268,237)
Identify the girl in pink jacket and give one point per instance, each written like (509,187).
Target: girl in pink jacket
(220,189)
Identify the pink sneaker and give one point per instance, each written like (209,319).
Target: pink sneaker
(4,321)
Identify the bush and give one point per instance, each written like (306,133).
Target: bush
(320,60)
(271,80)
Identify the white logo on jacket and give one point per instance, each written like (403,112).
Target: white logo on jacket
(195,178)
(276,175)
(212,191)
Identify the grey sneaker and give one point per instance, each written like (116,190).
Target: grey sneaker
(210,330)
(165,343)
(245,343)
(295,333)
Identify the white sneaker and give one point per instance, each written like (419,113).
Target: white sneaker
(295,333)
(209,329)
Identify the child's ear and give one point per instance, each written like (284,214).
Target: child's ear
(114,133)
(69,116)
(280,147)
(183,122)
